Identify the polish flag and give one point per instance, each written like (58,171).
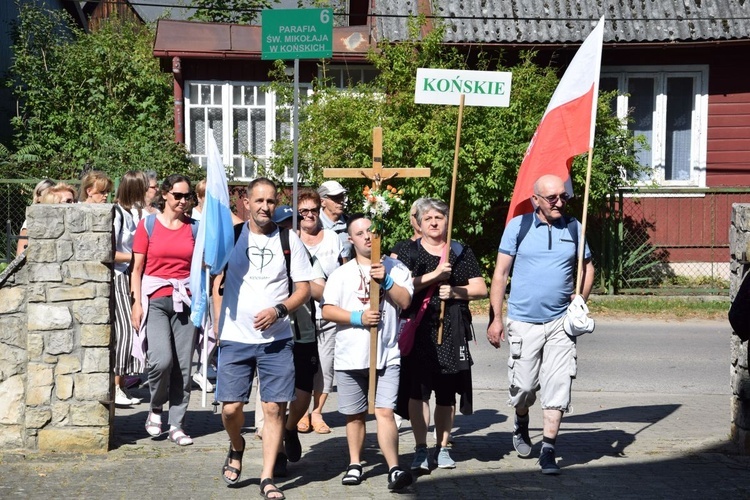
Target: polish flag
(567,127)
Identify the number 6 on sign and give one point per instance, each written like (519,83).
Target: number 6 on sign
(325,16)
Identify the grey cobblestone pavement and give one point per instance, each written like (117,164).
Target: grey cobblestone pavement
(613,445)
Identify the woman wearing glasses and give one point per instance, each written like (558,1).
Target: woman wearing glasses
(441,274)
(325,246)
(163,249)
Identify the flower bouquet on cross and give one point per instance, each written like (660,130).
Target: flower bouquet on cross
(377,203)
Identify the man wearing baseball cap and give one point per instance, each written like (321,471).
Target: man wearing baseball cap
(332,200)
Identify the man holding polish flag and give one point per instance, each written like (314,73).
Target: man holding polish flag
(544,247)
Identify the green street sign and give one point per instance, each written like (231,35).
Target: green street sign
(297,34)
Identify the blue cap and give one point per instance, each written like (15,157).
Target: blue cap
(282,213)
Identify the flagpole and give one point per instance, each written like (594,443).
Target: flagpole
(584,218)
(205,338)
(450,210)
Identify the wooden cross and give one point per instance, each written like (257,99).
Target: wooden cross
(377,174)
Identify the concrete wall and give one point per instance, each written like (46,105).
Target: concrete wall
(55,333)
(739,247)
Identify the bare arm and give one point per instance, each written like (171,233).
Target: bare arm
(121,257)
(136,277)
(216,302)
(474,290)
(496,329)
(588,279)
(316,288)
(269,315)
(343,317)
(441,273)
(397,293)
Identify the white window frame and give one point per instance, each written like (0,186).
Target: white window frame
(227,141)
(346,68)
(699,116)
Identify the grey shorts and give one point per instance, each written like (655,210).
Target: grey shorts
(542,358)
(326,348)
(353,386)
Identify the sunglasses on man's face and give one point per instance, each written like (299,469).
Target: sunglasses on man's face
(564,197)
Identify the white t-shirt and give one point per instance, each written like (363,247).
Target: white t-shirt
(125,223)
(327,253)
(256,280)
(347,288)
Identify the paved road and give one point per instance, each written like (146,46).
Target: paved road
(632,356)
(635,433)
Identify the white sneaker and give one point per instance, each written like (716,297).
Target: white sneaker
(122,398)
(199,380)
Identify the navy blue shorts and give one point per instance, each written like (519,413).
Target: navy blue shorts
(237,363)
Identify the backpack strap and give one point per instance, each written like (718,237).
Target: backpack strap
(526,220)
(149,224)
(151,221)
(287,251)
(284,237)
(572,229)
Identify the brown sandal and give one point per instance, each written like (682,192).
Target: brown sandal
(303,426)
(321,427)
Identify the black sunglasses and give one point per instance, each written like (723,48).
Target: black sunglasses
(564,197)
(179,196)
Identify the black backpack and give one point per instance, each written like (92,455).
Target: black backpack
(739,312)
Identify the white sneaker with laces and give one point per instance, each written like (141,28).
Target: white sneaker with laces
(199,380)
(122,399)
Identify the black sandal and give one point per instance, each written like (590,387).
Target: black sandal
(266,482)
(233,455)
(353,475)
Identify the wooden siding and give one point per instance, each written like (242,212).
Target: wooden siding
(728,142)
(690,229)
(108,8)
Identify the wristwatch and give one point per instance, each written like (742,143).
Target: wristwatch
(281,310)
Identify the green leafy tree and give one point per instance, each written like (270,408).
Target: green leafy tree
(230,11)
(336,131)
(89,100)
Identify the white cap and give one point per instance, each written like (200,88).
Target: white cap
(576,320)
(330,188)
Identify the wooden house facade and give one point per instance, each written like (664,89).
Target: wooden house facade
(677,68)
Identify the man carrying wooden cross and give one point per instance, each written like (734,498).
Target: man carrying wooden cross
(346,302)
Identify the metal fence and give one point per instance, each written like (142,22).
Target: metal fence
(657,240)
(666,240)
(15,196)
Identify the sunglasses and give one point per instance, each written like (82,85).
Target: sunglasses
(309,211)
(564,197)
(180,196)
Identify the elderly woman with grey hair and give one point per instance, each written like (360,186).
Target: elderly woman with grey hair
(449,274)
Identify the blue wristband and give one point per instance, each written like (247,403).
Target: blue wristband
(356,318)
(387,283)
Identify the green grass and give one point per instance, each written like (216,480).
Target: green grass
(712,308)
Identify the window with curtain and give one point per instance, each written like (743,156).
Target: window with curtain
(667,106)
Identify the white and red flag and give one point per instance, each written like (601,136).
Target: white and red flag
(567,127)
